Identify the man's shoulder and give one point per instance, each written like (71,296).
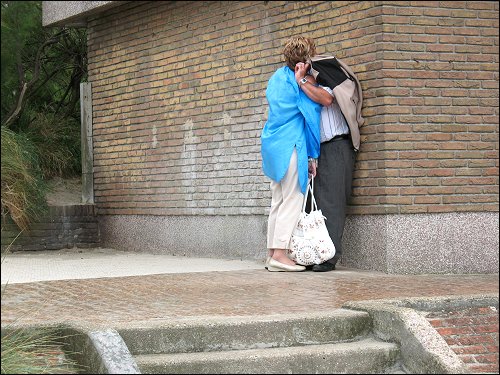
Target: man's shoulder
(322,57)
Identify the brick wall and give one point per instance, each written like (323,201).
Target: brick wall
(431,140)
(62,227)
(179,102)
(472,333)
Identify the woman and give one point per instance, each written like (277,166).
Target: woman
(290,144)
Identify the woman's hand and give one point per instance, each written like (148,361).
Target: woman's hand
(312,168)
(301,70)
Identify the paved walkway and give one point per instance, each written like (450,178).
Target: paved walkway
(105,286)
(69,264)
(108,288)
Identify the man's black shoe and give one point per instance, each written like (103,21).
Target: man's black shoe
(323,267)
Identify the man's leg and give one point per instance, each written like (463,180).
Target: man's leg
(332,189)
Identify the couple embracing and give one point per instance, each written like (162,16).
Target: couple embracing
(312,131)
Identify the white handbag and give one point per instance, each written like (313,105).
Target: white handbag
(311,242)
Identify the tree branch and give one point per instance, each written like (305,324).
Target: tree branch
(27,85)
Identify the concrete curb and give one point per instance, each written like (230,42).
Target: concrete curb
(403,321)
(100,351)
(115,358)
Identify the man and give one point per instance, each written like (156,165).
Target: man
(333,84)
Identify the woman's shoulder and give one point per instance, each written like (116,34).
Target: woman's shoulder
(285,70)
(282,73)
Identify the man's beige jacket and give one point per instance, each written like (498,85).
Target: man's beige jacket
(348,94)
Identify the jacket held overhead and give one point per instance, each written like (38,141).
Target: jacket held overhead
(334,73)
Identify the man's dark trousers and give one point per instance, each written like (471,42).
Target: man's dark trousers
(333,185)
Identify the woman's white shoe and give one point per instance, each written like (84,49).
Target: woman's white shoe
(275,266)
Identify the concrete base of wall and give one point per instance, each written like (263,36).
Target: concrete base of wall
(423,243)
(400,244)
(231,237)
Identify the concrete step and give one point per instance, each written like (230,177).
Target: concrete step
(242,333)
(363,356)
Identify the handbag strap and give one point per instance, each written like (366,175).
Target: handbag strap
(310,189)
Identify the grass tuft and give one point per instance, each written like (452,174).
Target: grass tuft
(29,351)
(23,189)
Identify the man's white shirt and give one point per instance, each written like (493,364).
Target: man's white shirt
(333,122)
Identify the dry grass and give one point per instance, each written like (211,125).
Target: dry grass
(26,351)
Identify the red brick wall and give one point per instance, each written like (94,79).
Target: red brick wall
(472,334)
(431,140)
(179,102)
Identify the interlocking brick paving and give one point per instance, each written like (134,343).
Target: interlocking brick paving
(472,333)
(113,301)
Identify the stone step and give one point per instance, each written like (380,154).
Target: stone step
(241,333)
(363,356)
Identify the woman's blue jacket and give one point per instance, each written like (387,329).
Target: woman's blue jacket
(293,121)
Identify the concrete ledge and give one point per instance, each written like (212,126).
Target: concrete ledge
(423,350)
(113,355)
(367,356)
(73,13)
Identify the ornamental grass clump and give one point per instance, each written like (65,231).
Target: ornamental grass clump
(27,351)
(23,188)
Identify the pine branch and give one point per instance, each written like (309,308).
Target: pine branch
(25,86)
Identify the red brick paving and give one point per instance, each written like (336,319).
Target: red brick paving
(472,334)
(109,301)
